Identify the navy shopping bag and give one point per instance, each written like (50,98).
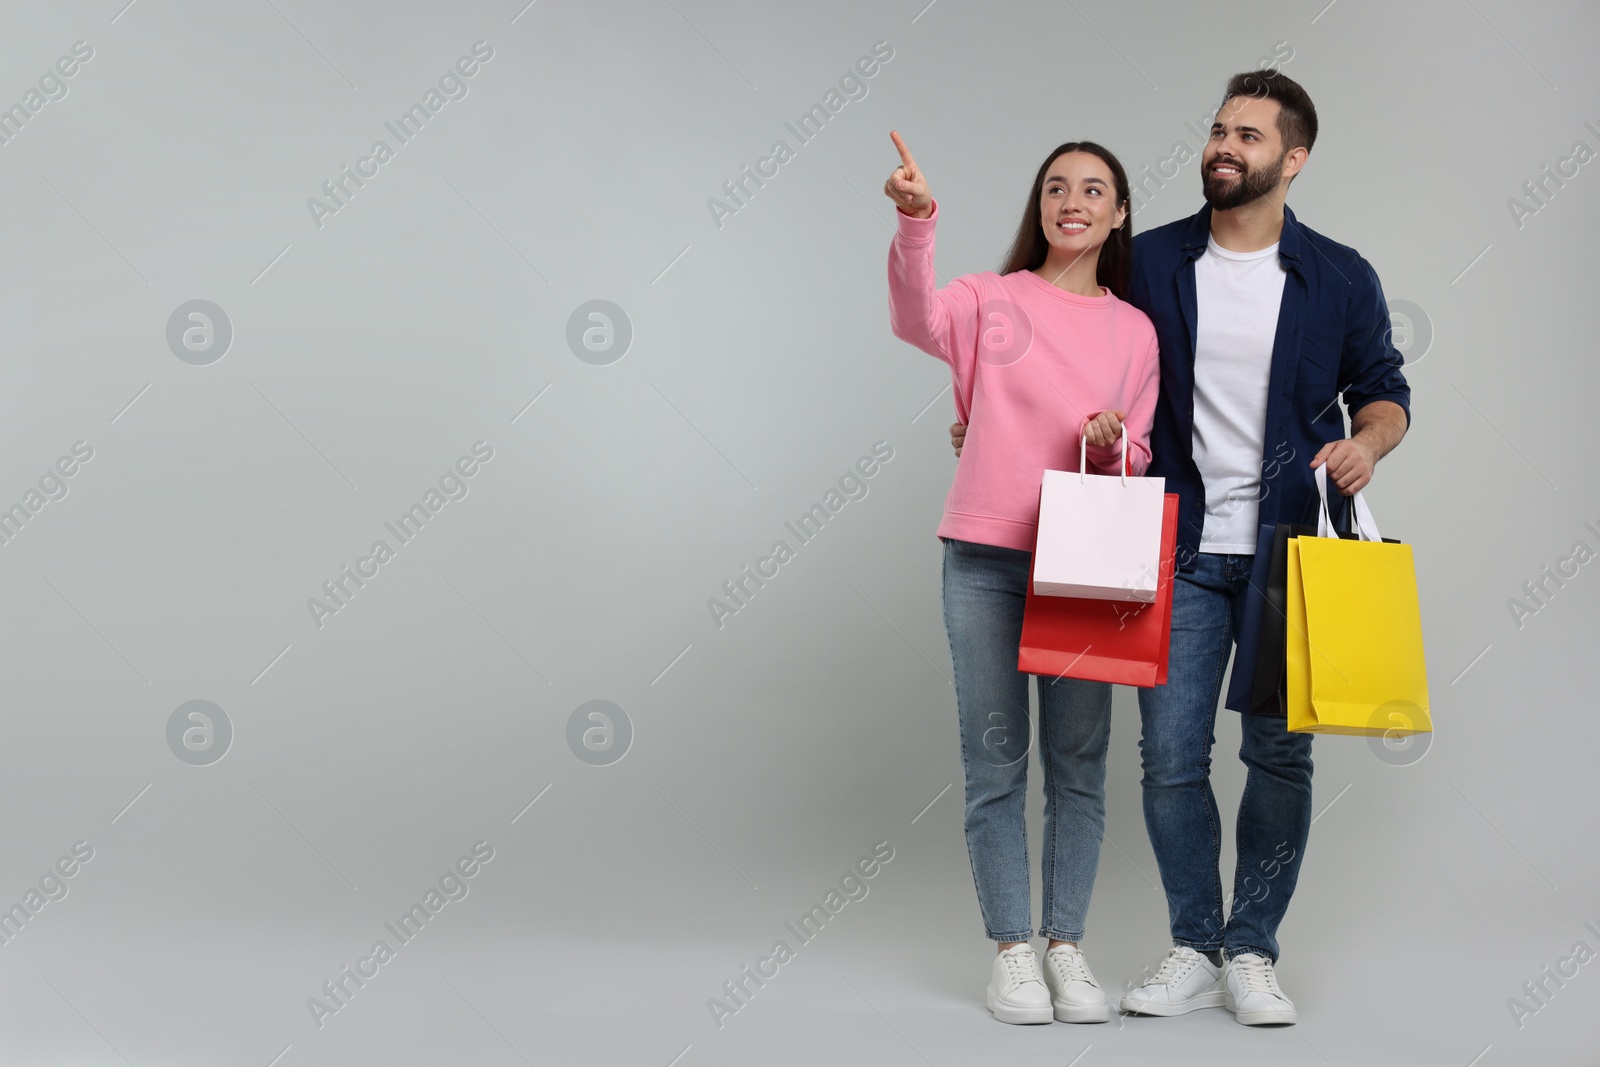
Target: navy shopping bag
(1258,684)
(1255,684)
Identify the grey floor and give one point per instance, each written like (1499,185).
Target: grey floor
(873,992)
(206,951)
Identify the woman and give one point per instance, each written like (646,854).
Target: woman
(1042,354)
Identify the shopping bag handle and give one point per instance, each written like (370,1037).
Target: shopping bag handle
(1366,527)
(1083,454)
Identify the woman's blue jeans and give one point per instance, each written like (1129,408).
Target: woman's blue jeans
(985,587)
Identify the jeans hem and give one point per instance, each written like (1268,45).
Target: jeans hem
(1229,953)
(1024,936)
(1199,948)
(1060,935)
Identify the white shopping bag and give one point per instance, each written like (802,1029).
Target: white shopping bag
(1099,534)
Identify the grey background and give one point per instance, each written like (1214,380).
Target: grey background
(368,355)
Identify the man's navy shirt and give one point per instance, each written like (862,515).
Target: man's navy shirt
(1333,337)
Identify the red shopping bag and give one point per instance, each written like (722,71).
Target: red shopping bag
(1104,640)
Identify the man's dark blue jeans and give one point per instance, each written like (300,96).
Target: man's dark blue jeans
(1180,809)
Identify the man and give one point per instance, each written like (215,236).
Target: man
(1261,322)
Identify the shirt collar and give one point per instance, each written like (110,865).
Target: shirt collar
(1198,230)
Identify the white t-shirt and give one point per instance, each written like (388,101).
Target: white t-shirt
(1238,294)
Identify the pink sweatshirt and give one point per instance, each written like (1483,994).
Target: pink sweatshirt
(1031,364)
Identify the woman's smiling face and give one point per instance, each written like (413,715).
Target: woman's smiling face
(1077,203)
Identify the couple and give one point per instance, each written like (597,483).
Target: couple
(1212,349)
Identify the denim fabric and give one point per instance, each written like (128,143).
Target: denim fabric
(1180,809)
(984,589)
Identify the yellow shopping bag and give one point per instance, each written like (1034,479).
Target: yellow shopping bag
(1353,658)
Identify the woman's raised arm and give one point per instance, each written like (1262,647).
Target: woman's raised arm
(941,322)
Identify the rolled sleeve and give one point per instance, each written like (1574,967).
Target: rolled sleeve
(1370,367)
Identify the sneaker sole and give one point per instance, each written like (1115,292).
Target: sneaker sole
(1083,1013)
(1194,1003)
(1262,1018)
(1020,1015)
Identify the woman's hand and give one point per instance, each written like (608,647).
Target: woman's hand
(1104,428)
(906,185)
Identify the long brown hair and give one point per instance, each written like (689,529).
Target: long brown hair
(1116,256)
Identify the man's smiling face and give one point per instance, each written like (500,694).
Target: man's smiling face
(1243,161)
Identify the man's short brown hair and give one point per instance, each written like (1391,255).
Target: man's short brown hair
(1297,116)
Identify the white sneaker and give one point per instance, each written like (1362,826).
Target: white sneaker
(1017,992)
(1185,981)
(1077,997)
(1252,991)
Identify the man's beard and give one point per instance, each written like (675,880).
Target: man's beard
(1250,185)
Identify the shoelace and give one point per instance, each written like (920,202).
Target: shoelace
(1020,966)
(1175,966)
(1071,967)
(1258,975)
